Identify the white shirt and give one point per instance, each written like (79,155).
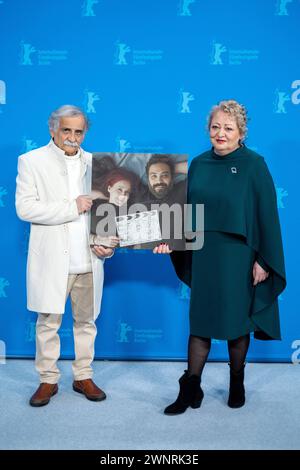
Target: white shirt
(80,256)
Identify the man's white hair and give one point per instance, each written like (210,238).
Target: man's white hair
(67,110)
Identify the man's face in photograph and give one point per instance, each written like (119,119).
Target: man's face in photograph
(160,179)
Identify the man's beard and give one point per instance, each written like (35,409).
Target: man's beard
(73,145)
(164,189)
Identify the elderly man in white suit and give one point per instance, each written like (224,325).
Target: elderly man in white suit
(53,184)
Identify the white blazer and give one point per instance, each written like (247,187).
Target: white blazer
(42,198)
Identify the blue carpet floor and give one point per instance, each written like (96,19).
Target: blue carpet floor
(132,415)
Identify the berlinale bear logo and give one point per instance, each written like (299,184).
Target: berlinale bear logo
(3,192)
(120,55)
(88,7)
(282,7)
(123,329)
(184,99)
(184,7)
(3,283)
(27,50)
(90,98)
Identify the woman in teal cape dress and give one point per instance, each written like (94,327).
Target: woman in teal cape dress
(238,274)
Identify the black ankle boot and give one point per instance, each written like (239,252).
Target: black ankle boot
(190,394)
(236,397)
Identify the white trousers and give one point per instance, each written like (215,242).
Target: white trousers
(80,289)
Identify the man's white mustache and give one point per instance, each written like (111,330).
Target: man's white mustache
(71,144)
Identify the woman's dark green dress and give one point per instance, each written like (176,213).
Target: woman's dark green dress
(241,226)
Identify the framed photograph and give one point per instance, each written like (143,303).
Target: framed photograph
(138,199)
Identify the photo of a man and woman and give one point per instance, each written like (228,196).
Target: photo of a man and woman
(138,200)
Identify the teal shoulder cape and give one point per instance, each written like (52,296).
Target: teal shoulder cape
(239,198)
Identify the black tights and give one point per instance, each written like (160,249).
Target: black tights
(199,348)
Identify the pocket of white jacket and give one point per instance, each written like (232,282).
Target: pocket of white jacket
(37,236)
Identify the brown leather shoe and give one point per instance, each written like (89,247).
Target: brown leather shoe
(43,394)
(88,388)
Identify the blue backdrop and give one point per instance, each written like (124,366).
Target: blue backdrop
(147,73)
